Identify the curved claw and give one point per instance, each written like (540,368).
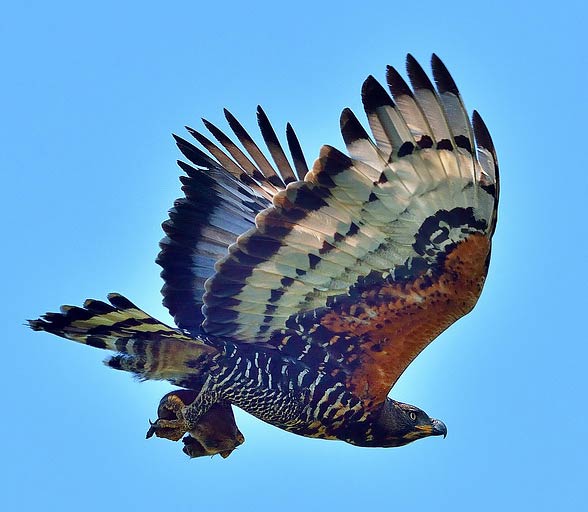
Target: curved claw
(211,432)
(152,429)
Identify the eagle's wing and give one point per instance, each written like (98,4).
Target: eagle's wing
(372,255)
(222,198)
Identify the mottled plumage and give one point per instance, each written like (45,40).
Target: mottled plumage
(301,295)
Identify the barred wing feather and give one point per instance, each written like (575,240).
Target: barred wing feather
(370,255)
(394,207)
(223,194)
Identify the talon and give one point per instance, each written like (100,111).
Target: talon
(171,422)
(152,429)
(212,432)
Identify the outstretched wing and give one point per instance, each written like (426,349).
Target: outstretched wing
(222,197)
(373,254)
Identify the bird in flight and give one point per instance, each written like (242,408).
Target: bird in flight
(300,294)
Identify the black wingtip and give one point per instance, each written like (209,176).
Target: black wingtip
(263,121)
(186,168)
(482,134)
(205,141)
(296,151)
(374,95)
(231,119)
(484,140)
(98,307)
(120,301)
(351,128)
(286,174)
(332,161)
(416,74)
(267,131)
(36,325)
(443,78)
(237,128)
(191,152)
(183,145)
(216,132)
(397,84)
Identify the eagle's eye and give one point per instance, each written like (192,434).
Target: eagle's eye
(412,415)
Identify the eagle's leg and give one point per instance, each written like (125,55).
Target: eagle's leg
(171,422)
(210,429)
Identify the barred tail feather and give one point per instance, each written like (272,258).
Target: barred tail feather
(145,346)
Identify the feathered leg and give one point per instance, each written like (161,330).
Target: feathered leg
(214,431)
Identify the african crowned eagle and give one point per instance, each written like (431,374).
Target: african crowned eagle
(301,295)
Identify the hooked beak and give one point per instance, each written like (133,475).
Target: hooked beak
(439,429)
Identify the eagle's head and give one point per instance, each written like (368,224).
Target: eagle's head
(397,424)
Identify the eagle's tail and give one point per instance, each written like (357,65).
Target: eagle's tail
(144,345)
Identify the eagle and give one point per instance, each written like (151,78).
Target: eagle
(301,295)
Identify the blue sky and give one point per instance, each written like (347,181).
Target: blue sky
(89,97)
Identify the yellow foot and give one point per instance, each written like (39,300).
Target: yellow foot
(215,431)
(171,422)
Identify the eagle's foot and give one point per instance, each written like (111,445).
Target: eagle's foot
(214,432)
(171,422)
